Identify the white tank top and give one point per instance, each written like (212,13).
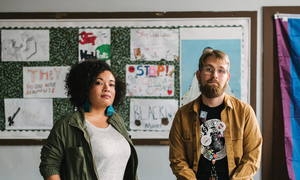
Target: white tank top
(111,151)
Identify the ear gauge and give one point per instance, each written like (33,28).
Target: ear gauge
(86,105)
(110,111)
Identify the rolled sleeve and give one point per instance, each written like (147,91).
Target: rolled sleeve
(52,153)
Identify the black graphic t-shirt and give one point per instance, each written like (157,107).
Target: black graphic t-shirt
(213,117)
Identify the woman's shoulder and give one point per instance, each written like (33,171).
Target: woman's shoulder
(65,119)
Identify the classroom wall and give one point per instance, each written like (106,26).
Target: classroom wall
(23,161)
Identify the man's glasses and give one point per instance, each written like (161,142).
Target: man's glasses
(208,70)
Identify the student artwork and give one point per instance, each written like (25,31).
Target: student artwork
(152,114)
(94,43)
(25,45)
(154,44)
(28,114)
(150,80)
(44,82)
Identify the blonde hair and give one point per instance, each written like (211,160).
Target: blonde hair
(216,54)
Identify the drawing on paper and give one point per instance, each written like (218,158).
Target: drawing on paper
(154,44)
(25,45)
(150,80)
(28,114)
(94,43)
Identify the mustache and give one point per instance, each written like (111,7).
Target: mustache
(213,80)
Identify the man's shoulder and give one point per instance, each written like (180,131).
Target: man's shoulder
(236,103)
(189,106)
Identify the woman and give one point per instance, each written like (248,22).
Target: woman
(92,142)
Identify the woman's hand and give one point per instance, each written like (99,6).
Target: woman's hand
(54,177)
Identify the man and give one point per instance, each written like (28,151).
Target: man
(216,136)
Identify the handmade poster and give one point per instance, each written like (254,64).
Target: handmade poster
(94,43)
(25,45)
(154,44)
(227,39)
(28,114)
(150,80)
(44,82)
(152,114)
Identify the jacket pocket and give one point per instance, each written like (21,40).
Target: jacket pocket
(237,135)
(187,137)
(237,144)
(76,163)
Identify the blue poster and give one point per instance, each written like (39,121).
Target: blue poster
(191,51)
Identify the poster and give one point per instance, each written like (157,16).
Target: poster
(25,45)
(94,43)
(152,114)
(227,39)
(150,80)
(154,44)
(28,114)
(44,82)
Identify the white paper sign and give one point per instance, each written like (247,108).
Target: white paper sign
(154,44)
(25,45)
(94,43)
(152,114)
(28,114)
(44,82)
(150,80)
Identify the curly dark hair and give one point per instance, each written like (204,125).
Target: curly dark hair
(81,77)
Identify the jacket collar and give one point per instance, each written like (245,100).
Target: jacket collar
(227,100)
(78,118)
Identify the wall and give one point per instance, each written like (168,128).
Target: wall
(153,159)
(23,161)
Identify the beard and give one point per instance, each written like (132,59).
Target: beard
(212,90)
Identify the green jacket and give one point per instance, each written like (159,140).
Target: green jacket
(68,150)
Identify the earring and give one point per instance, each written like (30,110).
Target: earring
(86,105)
(110,111)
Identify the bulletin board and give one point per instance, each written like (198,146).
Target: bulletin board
(63,52)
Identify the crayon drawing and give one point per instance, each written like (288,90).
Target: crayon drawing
(152,114)
(28,114)
(94,43)
(150,80)
(44,82)
(154,44)
(25,45)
